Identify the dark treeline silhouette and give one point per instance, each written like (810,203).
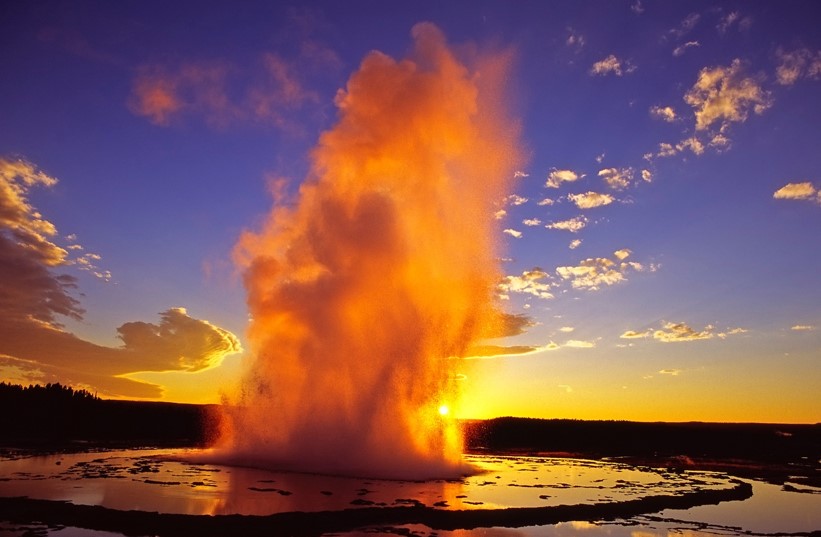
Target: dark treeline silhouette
(751,441)
(54,414)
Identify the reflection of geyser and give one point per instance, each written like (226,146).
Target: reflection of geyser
(381,270)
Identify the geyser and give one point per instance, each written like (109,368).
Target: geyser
(365,289)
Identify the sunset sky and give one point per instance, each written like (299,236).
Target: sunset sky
(661,240)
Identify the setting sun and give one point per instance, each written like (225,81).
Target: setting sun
(444,410)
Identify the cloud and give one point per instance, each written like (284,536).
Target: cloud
(693,144)
(513,233)
(532,222)
(593,273)
(590,200)
(686,25)
(647,176)
(632,334)
(802,327)
(533,282)
(680,50)
(566,329)
(34,299)
(222,94)
(637,7)
(617,179)
(575,40)
(680,332)
(519,174)
(798,191)
(579,344)
(574,225)
(724,95)
(575,243)
(515,200)
(611,65)
(733,18)
(509,324)
(797,64)
(665,113)
(546,201)
(501,213)
(499,351)
(671,372)
(556,177)
(567,389)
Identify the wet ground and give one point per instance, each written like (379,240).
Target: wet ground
(162,492)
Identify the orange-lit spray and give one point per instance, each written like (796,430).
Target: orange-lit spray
(382,270)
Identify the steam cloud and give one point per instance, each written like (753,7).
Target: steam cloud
(383,269)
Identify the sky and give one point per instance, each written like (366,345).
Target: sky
(660,237)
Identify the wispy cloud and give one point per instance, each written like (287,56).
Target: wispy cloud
(515,200)
(589,200)
(556,177)
(665,113)
(802,327)
(797,64)
(574,225)
(798,191)
(611,65)
(681,49)
(617,178)
(532,222)
(686,26)
(513,233)
(594,273)
(725,94)
(575,243)
(535,282)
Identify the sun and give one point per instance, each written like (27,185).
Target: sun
(444,410)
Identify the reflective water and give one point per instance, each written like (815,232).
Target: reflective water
(173,482)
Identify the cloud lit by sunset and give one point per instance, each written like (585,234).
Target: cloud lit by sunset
(551,215)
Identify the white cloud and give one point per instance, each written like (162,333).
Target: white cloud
(515,200)
(590,200)
(611,65)
(665,113)
(617,179)
(579,344)
(575,243)
(680,332)
(501,213)
(546,201)
(632,334)
(513,233)
(622,254)
(573,225)
(520,174)
(557,177)
(532,222)
(671,372)
(647,176)
(680,50)
(532,282)
(724,95)
(802,327)
(796,191)
(566,329)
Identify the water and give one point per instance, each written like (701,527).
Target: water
(168,481)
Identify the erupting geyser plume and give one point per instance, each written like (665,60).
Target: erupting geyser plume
(364,289)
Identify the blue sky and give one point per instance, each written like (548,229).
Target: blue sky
(672,272)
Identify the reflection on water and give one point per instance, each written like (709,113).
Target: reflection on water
(168,481)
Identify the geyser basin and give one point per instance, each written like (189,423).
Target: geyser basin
(510,491)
